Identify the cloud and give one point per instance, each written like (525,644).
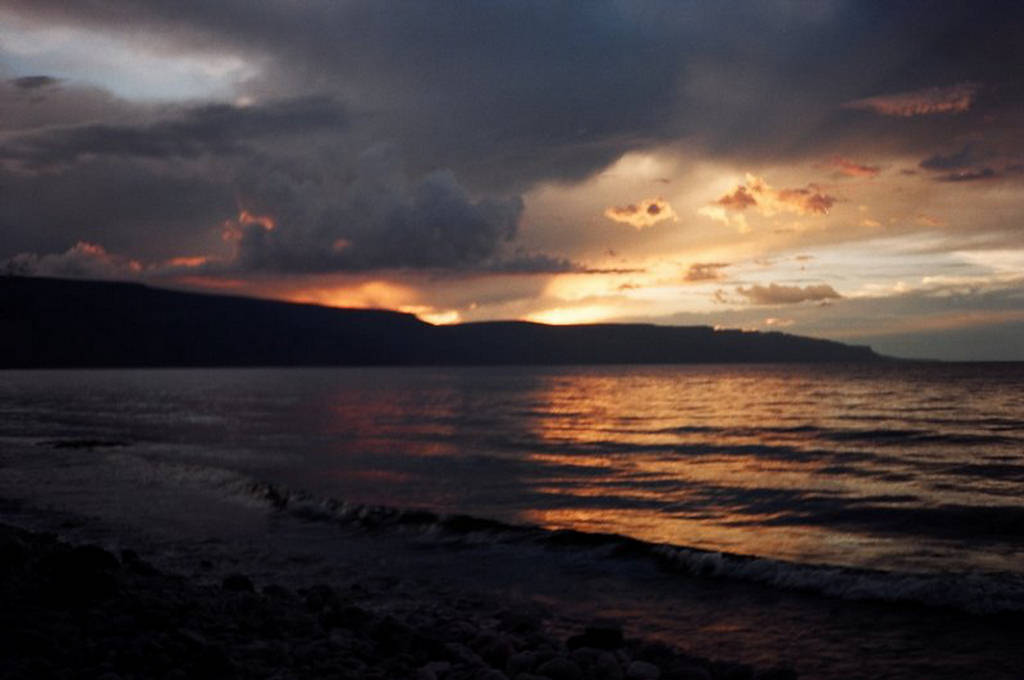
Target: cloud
(853,169)
(726,217)
(207,129)
(510,95)
(960,159)
(646,213)
(147,210)
(521,262)
(705,271)
(925,220)
(929,101)
(504,98)
(775,294)
(758,195)
(970,175)
(86,260)
(34,82)
(264,213)
(739,199)
(379,216)
(284,182)
(806,201)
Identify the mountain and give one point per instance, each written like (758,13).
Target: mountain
(72,323)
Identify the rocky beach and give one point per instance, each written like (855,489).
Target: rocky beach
(80,611)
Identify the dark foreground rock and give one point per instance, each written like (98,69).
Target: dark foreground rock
(81,612)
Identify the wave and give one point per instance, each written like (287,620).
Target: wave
(980,593)
(877,435)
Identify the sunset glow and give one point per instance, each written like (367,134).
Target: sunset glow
(895,170)
(509,339)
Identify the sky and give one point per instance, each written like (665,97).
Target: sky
(840,169)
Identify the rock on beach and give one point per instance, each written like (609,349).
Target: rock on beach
(82,612)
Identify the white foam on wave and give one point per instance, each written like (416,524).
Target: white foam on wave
(972,592)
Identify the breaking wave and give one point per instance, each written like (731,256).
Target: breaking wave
(972,592)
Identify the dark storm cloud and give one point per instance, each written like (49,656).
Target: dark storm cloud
(276,214)
(34,82)
(59,103)
(480,101)
(521,262)
(168,187)
(211,129)
(376,220)
(133,206)
(506,94)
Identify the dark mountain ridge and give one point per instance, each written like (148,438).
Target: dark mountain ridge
(74,323)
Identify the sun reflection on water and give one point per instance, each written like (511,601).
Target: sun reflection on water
(798,463)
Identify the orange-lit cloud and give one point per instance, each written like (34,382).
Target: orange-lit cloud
(378,294)
(952,99)
(739,199)
(644,214)
(437,317)
(705,271)
(189,262)
(725,216)
(590,313)
(760,196)
(806,201)
(929,220)
(775,294)
(233,228)
(853,169)
(83,259)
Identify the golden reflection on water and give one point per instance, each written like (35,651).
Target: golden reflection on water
(754,460)
(668,461)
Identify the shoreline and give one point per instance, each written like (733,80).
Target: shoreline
(81,611)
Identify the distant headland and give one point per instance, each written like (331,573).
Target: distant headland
(76,323)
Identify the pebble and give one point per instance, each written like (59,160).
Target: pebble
(490,674)
(151,625)
(600,635)
(642,670)
(521,662)
(237,583)
(561,668)
(606,667)
(495,649)
(684,670)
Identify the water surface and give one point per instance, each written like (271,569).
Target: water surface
(892,482)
